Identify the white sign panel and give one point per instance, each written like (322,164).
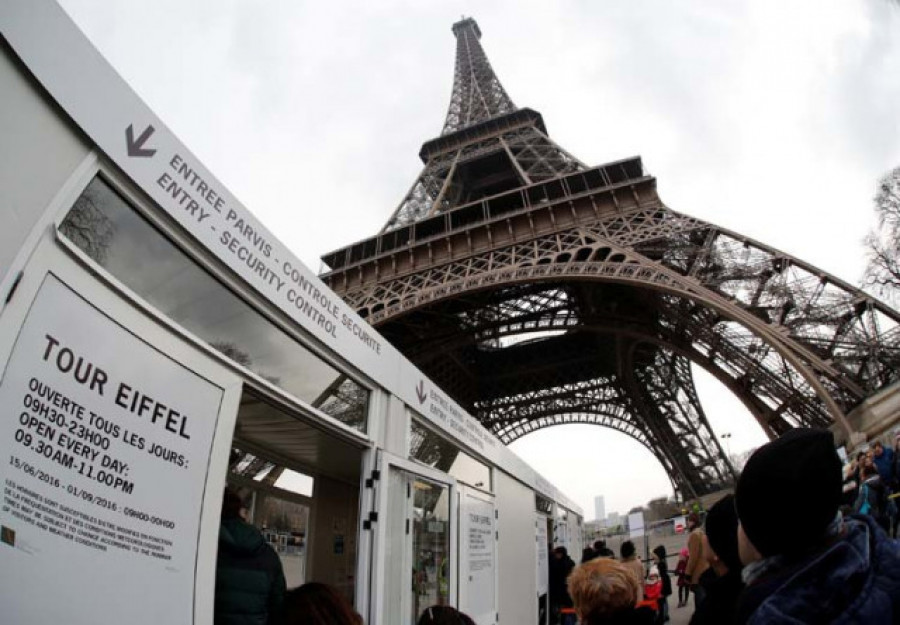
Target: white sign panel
(104,444)
(636,524)
(479,566)
(543,556)
(561,539)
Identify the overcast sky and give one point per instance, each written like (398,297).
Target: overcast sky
(771,118)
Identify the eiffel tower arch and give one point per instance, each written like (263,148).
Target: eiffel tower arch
(538,290)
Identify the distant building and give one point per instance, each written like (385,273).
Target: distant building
(593,530)
(599,508)
(614,519)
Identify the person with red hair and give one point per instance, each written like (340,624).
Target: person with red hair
(318,604)
(605,592)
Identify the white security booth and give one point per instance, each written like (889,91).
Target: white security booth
(158,343)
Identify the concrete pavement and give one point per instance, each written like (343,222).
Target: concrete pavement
(680,616)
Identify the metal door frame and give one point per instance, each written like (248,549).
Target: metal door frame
(385,463)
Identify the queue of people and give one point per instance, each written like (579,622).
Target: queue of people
(780,550)
(787,547)
(872,483)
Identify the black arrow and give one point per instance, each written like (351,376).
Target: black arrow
(420,392)
(136,148)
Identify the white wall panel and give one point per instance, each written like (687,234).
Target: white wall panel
(517,556)
(38,152)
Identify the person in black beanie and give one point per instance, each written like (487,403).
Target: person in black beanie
(803,562)
(721,549)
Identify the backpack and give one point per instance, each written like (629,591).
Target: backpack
(866,507)
(880,507)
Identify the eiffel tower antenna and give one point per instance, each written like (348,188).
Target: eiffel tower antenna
(477,93)
(537,290)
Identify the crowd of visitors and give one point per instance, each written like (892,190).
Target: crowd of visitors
(802,540)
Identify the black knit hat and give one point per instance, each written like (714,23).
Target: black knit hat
(789,492)
(721,531)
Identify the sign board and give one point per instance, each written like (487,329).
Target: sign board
(680,523)
(478,560)
(636,524)
(104,444)
(543,555)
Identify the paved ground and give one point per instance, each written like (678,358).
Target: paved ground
(680,616)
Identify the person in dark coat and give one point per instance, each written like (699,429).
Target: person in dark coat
(630,558)
(804,563)
(884,462)
(659,557)
(560,567)
(587,554)
(602,551)
(721,549)
(250,583)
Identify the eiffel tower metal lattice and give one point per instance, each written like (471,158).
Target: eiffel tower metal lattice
(538,291)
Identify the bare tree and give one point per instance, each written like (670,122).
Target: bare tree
(883,243)
(88,225)
(232,351)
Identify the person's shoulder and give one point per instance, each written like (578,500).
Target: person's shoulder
(643,616)
(271,557)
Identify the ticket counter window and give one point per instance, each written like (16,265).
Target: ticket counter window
(106,228)
(305,484)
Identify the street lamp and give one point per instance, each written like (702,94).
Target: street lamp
(727,438)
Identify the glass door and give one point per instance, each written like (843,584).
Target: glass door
(415,542)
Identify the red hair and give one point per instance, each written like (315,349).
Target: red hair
(318,604)
(601,588)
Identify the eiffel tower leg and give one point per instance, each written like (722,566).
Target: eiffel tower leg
(666,401)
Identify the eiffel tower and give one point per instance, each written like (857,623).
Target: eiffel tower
(537,291)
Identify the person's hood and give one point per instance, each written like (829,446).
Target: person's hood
(855,580)
(240,538)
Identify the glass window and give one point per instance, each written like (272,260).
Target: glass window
(284,525)
(435,451)
(112,233)
(542,504)
(250,466)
